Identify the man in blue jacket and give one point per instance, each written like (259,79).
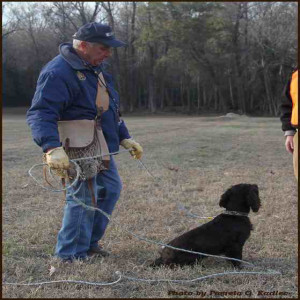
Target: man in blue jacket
(67,90)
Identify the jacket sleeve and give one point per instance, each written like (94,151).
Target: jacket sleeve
(286,109)
(123,131)
(51,96)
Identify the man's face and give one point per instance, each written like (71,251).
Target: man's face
(97,53)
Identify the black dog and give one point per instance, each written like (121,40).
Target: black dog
(225,234)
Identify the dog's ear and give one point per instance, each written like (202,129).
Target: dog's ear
(253,198)
(224,198)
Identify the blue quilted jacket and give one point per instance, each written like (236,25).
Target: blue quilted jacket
(66,90)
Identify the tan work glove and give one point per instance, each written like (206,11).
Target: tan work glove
(130,143)
(58,160)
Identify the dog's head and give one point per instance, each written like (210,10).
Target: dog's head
(241,197)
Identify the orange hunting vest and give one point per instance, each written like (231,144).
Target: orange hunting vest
(294,96)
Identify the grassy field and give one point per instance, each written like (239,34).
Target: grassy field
(195,159)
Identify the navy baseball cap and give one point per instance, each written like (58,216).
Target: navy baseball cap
(97,33)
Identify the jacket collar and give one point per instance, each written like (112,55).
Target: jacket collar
(71,57)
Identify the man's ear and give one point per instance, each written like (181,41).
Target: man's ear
(83,45)
(224,198)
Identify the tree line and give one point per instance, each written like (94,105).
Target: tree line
(191,57)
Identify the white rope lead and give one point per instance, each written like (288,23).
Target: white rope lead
(160,243)
(152,241)
(106,154)
(68,281)
(270,272)
(199,278)
(184,281)
(138,236)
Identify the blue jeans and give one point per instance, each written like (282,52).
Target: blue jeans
(81,228)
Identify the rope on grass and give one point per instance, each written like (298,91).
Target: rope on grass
(152,241)
(200,278)
(128,231)
(68,281)
(141,237)
(179,205)
(132,233)
(270,272)
(130,278)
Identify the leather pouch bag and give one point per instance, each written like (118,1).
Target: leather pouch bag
(83,139)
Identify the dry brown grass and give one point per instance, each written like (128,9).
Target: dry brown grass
(196,159)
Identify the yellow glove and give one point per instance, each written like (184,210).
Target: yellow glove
(130,143)
(58,160)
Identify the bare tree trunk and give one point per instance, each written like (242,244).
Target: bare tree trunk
(251,103)
(276,107)
(246,77)
(216,97)
(116,66)
(61,11)
(132,70)
(80,8)
(204,96)
(151,79)
(210,98)
(36,48)
(222,101)
(151,90)
(268,89)
(181,92)
(230,92)
(198,94)
(96,11)
(140,96)
(237,57)
(188,90)
(241,95)
(167,97)
(161,92)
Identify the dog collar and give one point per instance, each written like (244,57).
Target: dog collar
(235,213)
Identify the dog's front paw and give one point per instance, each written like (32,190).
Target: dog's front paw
(158,262)
(238,266)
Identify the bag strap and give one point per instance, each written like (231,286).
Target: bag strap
(102,98)
(105,91)
(102,103)
(90,187)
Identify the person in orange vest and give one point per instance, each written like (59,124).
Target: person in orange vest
(289,118)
